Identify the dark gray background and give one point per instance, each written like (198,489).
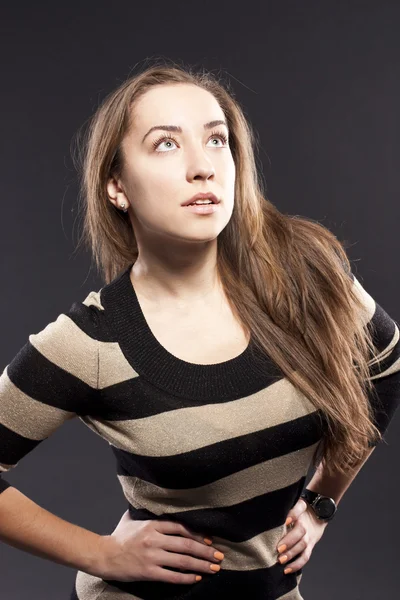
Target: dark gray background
(320,83)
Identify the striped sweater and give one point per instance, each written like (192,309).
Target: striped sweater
(222,448)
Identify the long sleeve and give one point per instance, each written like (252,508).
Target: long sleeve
(384,370)
(53,378)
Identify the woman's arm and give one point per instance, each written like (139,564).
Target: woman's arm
(31,528)
(334,486)
(300,540)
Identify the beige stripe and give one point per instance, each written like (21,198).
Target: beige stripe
(384,354)
(114,368)
(366,299)
(89,587)
(93,299)
(67,346)
(260,552)
(186,429)
(268,476)
(256,553)
(26,416)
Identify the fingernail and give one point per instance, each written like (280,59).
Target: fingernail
(198,577)
(288,570)
(288,521)
(215,567)
(282,548)
(208,541)
(218,555)
(282,559)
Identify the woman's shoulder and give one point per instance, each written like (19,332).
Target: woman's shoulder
(68,342)
(84,315)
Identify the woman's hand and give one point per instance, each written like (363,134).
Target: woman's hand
(139,551)
(306,530)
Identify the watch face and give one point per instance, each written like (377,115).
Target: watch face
(324,508)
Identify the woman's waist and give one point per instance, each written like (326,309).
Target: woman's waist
(241,541)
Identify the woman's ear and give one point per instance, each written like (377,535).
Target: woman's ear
(116,194)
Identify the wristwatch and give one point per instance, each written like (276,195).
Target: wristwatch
(323,506)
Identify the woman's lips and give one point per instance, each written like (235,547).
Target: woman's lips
(202,209)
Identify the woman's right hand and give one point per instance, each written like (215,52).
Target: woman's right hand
(138,551)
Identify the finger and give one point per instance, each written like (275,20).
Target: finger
(172,528)
(185,562)
(293,515)
(299,561)
(160,574)
(292,552)
(291,538)
(297,510)
(193,547)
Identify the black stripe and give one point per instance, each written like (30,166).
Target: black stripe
(13,446)
(208,464)
(4,484)
(90,319)
(137,398)
(238,522)
(384,399)
(42,380)
(386,363)
(382,327)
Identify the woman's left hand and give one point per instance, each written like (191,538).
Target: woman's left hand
(306,530)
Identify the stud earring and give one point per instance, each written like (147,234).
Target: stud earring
(123,207)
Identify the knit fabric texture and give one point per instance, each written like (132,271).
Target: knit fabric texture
(222,448)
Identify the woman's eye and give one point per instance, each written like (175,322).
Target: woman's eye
(168,139)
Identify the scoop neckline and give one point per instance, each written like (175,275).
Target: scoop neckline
(151,359)
(163,349)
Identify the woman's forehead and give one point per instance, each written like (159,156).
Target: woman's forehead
(175,105)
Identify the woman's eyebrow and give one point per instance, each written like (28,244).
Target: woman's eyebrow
(178,129)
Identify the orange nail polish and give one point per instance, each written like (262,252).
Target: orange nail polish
(215,568)
(288,570)
(208,541)
(218,555)
(282,548)
(288,521)
(198,577)
(283,559)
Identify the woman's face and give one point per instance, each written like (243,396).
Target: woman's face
(162,168)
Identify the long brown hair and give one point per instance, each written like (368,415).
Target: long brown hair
(287,278)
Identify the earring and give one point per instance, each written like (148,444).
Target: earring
(123,207)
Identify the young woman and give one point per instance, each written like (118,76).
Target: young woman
(230,349)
